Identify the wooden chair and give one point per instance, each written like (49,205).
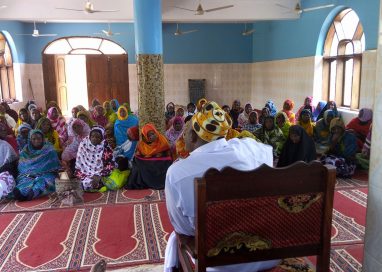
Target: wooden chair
(264,214)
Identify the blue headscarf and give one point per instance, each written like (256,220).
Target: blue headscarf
(320,107)
(120,132)
(21,141)
(272,108)
(116,103)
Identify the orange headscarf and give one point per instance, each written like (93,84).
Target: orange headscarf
(148,150)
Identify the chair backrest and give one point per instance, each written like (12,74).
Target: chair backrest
(268,213)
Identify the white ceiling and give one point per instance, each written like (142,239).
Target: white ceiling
(243,10)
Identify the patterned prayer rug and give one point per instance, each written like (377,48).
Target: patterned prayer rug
(90,199)
(76,238)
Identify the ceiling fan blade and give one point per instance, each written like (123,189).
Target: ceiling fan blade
(219,8)
(318,7)
(3,6)
(189,31)
(184,8)
(47,35)
(282,6)
(71,9)
(105,10)
(248,32)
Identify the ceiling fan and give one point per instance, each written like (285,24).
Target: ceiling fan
(89,8)
(297,9)
(3,6)
(246,31)
(200,11)
(37,34)
(108,32)
(178,32)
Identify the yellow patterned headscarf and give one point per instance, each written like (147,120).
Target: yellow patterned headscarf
(232,133)
(119,113)
(211,123)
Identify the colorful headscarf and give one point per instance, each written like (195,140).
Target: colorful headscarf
(59,124)
(110,114)
(200,103)
(337,122)
(116,103)
(101,120)
(70,152)
(286,125)
(308,126)
(211,123)
(21,141)
(133,133)
(150,149)
(169,114)
(271,106)
(366,115)
(287,108)
(119,113)
(87,114)
(122,125)
(328,113)
(171,134)
(320,107)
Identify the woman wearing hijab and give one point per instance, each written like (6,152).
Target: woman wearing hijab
(272,108)
(253,123)
(360,126)
(9,138)
(114,105)
(305,120)
(319,108)
(35,116)
(50,134)
(243,118)
(12,113)
(342,149)
(322,128)
(363,158)
(283,123)
(94,160)
(77,131)
(85,116)
(24,118)
(38,168)
(52,104)
(95,103)
(59,124)
(173,133)
(298,147)
(264,113)
(22,136)
(235,112)
(6,118)
(170,112)
(271,134)
(331,105)
(109,113)
(99,116)
(8,159)
(288,109)
(123,123)
(308,105)
(151,161)
(200,104)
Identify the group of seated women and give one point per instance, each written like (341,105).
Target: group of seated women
(105,149)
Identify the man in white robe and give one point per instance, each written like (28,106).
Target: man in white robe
(204,138)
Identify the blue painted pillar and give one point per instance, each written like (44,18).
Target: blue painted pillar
(149,61)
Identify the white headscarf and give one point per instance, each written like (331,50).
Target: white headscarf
(7,154)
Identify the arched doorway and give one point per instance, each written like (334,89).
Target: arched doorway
(78,69)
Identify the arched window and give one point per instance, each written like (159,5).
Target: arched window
(83,46)
(343,49)
(7,82)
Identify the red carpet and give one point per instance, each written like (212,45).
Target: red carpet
(76,238)
(132,227)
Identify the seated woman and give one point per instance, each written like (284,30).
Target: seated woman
(342,149)
(24,118)
(77,131)
(243,118)
(109,113)
(151,161)
(35,117)
(178,113)
(363,158)
(173,133)
(288,109)
(271,134)
(298,147)
(114,105)
(99,116)
(124,122)
(283,123)
(319,108)
(9,138)
(308,105)
(12,113)
(58,124)
(331,105)
(94,160)
(22,136)
(322,128)
(264,113)
(253,123)
(38,168)
(8,158)
(360,126)
(84,115)
(49,133)
(6,118)
(272,108)
(305,120)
